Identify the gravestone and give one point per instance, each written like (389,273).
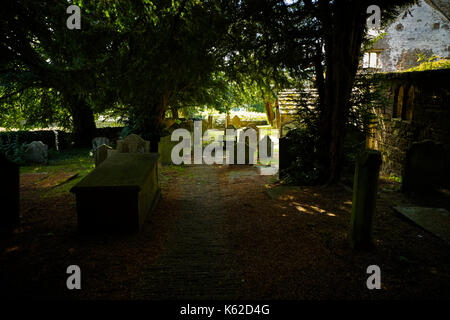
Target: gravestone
(9,193)
(227,121)
(36,152)
(133,144)
(165,147)
(426,167)
(249,153)
(365,187)
(236,122)
(204,126)
(98,141)
(101,153)
(269,146)
(210,122)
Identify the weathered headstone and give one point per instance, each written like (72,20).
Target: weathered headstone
(365,187)
(210,122)
(426,167)
(98,141)
(165,147)
(133,144)
(236,122)
(36,152)
(101,153)
(227,121)
(9,193)
(269,146)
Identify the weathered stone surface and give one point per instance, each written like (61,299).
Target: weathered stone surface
(36,152)
(119,194)
(236,122)
(426,167)
(133,144)
(365,187)
(210,122)
(249,154)
(434,220)
(98,141)
(165,147)
(269,146)
(101,154)
(9,193)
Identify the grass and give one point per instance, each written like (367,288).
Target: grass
(75,160)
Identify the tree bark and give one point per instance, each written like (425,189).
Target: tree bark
(343,44)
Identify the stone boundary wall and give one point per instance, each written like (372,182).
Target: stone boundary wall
(416,108)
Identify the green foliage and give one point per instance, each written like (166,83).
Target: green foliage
(432,63)
(13,149)
(305,170)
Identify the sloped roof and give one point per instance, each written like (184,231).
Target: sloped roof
(289,100)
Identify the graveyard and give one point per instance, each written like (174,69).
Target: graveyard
(196,151)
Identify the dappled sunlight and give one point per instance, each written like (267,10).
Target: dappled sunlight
(312,210)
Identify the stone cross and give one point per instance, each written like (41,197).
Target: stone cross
(365,187)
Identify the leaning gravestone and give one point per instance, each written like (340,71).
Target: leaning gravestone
(133,144)
(365,187)
(101,153)
(36,152)
(9,193)
(98,141)
(426,167)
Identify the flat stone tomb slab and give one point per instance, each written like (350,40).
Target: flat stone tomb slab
(434,220)
(119,194)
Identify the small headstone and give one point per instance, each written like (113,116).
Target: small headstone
(9,193)
(426,167)
(365,187)
(236,122)
(101,154)
(269,145)
(36,152)
(210,122)
(133,144)
(165,147)
(98,141)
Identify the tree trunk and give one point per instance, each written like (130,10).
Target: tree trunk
(343,45)
(174,112)
(83,122)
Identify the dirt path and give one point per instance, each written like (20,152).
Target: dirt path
(196,263)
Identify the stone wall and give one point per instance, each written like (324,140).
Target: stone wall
(416,109)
